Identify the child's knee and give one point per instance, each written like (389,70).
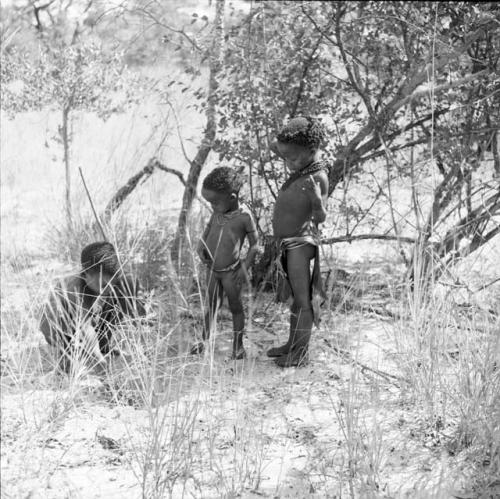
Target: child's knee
(301,303)
(235,306)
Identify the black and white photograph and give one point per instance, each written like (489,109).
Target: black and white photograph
(249,249)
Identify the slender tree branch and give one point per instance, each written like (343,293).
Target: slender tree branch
(401,147)
(181,140)
(305,70)
(355,83)
(362,237)
(181,32)
(36,12)
(417,94)
(122,193)
(173,171)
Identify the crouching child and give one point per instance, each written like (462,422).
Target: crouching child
(83,309)
(220,250)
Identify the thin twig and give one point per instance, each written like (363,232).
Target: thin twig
(92,205)
(347,356)
(382,237)
(173,171)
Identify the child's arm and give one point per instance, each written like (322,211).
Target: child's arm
(253,241)
(62,312)
(202,249)
(253,249)
(132,298)
(51,321)
(317,190)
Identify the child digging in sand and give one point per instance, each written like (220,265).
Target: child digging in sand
(219,249)
(299,209)
(85,307)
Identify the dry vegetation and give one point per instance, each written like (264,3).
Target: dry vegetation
(401,399)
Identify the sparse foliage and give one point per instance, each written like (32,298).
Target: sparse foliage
(67,79)
(413,85)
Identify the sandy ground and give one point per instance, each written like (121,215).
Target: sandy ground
(344,426)
(255,430)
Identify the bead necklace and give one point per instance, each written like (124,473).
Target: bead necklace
(311,168)
(222,218)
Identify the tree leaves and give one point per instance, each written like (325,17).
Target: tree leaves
(79,76)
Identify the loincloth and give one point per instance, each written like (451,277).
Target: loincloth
(229,268)
(284,290)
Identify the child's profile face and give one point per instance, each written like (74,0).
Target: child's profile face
(96,280)
(221,202)
(296,157)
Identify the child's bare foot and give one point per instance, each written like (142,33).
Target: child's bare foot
(239,354)
(298,357)
(278,351)
(197,348)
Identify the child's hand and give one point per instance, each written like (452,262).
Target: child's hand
(242,276)
(204,256)
(311,188)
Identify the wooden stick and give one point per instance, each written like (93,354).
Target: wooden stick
(92,205)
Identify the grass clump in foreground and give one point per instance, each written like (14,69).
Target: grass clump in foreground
(397,406)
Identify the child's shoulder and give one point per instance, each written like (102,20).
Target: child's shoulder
(322,173)
(68,288)
(244,211)
(246,214)
(69,282)
(323,168)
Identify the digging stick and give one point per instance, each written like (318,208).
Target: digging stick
(103,234)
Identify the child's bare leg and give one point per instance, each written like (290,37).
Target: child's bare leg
(301,320)
(214,299)
(232,288)
(284,349)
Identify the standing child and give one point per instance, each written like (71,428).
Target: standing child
(89,305)
(299,209)
(219,249)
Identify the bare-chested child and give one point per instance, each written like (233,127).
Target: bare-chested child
(300,207)
(219,249)
(85,307)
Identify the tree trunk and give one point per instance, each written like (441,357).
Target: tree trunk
(66,139)
(196,165)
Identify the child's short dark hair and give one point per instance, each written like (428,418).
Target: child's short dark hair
(223,179)
(102,256)
(303,131)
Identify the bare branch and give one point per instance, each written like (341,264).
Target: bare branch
(361,237)
(401,147)
(122,193)
(181,32)
(181,140)
(36,12)
(439,88)
(348,67)
(436,62)
(173,171)
(305,70)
